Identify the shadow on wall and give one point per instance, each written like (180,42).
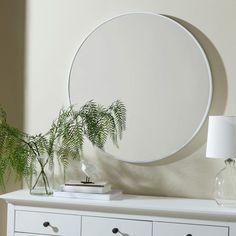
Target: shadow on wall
(12,31)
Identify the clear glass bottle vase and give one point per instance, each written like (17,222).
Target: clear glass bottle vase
(225,185)
(42,176)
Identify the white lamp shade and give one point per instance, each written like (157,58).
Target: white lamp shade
(221,139)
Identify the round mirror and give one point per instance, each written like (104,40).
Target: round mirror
(160,72)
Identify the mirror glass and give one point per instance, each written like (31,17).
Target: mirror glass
(160,72)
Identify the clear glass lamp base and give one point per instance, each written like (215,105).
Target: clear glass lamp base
(226,202)
(225,185)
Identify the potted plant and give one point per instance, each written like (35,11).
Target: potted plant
(32,156)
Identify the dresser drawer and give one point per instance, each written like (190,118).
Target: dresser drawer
(36,223)
(174,229)
(99,226)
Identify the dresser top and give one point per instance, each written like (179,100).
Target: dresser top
(132,204)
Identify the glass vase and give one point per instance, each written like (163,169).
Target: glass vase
(225,185)
(42,176)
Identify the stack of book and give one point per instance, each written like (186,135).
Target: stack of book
(95,191)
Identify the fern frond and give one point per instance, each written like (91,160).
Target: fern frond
(65,138)
(118,111)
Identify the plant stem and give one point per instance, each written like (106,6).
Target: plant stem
(44,176)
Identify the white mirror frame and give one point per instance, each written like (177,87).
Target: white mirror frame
(94,72)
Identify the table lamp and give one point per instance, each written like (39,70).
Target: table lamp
(221,143)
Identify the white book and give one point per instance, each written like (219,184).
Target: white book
(112,195)
(86,188)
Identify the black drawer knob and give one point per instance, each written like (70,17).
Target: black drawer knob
(115,230)
(46,224)
(189,235)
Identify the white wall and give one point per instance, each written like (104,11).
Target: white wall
(54,32)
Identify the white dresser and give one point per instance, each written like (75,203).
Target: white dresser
(132,216)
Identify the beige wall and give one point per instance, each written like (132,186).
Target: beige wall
(55,30)
(12,22)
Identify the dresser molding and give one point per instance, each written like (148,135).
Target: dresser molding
(130,207)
